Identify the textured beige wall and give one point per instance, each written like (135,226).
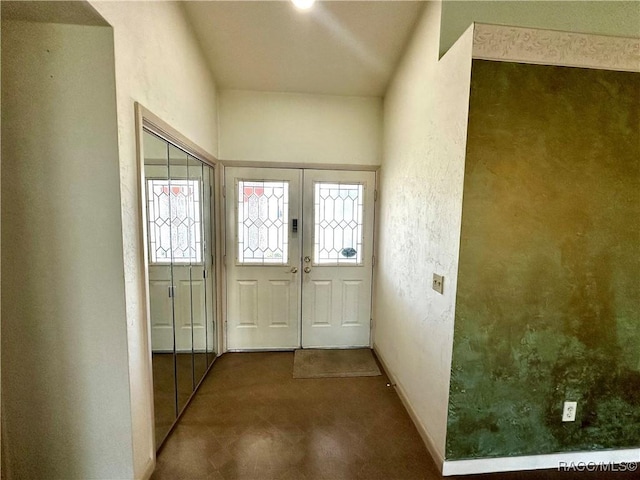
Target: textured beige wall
(65,395)
(615,18)
(300,128)
(425,118)
(160,65)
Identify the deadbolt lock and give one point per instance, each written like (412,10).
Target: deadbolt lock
(307,259)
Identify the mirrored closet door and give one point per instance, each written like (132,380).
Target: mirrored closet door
(178,194)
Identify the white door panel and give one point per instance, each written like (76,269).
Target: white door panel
(161,309)
(263,257)
(182,305)
(338,254)
(199,310)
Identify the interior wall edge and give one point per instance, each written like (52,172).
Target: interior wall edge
(425,114)
(436,454)
(148,469)
(62,12)
(60,106)
(167,73)
(147,459)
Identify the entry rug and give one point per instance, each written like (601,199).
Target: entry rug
(311,363)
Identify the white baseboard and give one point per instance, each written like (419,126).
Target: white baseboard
(569,461)
(437,456)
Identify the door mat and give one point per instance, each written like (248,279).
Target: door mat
(334,363)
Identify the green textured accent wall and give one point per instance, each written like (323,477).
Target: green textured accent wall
(548,299)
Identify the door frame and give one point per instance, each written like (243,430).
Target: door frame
(294,166)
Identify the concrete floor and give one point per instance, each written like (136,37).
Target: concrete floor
(252,420)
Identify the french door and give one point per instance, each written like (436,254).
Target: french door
(299,251)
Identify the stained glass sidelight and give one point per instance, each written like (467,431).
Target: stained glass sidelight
(338,223)
(263,219)
(174,221)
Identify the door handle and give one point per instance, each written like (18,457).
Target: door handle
(307,269)
(294,270)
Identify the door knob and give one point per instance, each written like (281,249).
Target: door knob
(307,269)
(294,270)
(307,259)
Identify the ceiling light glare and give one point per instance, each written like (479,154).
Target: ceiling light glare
(303,4)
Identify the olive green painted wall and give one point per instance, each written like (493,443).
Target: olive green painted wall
(548,300)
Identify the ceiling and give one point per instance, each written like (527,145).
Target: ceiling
(337,47)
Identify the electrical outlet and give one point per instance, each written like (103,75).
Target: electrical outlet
(438,283)
(569,411)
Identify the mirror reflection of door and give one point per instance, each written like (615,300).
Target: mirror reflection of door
(179,227)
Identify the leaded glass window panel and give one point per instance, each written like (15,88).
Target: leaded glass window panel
(175,230)
(338,223)
(263,211)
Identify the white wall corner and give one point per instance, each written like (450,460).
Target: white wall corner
(436,454)
(551,47)
(425,119)
(465,41)
(148,469)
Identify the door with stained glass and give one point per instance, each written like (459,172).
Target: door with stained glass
(337,258)
(263,258)
(299,258)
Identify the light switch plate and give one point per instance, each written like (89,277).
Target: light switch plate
(438,283)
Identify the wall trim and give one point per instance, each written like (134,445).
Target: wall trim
(436,455)
(629,459)
(299,166)
(551,47)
